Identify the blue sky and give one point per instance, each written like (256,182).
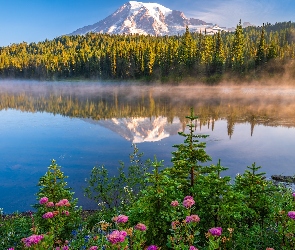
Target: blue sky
(36,20)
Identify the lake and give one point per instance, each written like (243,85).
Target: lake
(86,124)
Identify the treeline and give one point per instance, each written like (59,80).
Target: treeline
(243,52)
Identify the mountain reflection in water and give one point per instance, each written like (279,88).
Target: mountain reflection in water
(85,124)
(123,105)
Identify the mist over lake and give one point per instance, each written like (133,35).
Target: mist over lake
(86,124)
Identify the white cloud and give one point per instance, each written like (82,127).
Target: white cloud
(229,12)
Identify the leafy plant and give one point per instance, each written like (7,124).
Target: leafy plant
(115,193)
(256,191)
(13,228)
(153,205)
(56,208)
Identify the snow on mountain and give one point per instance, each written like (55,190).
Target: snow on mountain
(154,9)
(145,18)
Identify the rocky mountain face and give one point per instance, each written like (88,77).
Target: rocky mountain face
(145,18)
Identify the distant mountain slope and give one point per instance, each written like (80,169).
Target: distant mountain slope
(146,18)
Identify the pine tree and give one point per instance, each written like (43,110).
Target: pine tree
(219,55)
(186,160)
(238,49)
(261,51)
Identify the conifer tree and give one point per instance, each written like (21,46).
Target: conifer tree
(261,51)
(238,49)
(219,54)
(186,160)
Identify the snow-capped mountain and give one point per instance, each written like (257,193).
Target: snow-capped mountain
(146,18)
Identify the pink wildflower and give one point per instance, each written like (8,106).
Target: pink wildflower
(188,202)
(124,233)
(67,213)
(93,248)
(117,236)
(43,200)
(62,203)
(174,224)
(188,198)
(12,248)
(215,231)
(140,227)
(193,248)
(63,248)
(192,218)
(32,240)
(122,218)
(48,215)
(291,214)
(152,247)
(174,203)
(50,204)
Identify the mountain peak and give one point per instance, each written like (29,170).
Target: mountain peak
(145,18)
(153,8)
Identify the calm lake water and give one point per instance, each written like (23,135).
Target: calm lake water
(86,124)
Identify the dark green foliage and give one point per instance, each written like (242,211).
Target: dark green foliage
(212,193)
(153,205)
(13,228)
(256,192)
(238,50)
(218,56)
(115,193)
(186,160)
(261,51)
(167,58)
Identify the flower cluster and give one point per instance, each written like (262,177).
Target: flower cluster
(175,224)
(50,204)
(63,248)
(117,236)
(67,213)
(188,201)
(192,218)
(32,240)
(193,248)
(152,247)
(120,219)
(48,215)
(43,200)
(93,248)
(291,214)
(215,231)
(140,227)
(174,203)
(63,203)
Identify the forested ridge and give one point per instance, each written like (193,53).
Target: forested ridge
(251,51)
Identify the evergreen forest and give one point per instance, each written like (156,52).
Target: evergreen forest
(250,53)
